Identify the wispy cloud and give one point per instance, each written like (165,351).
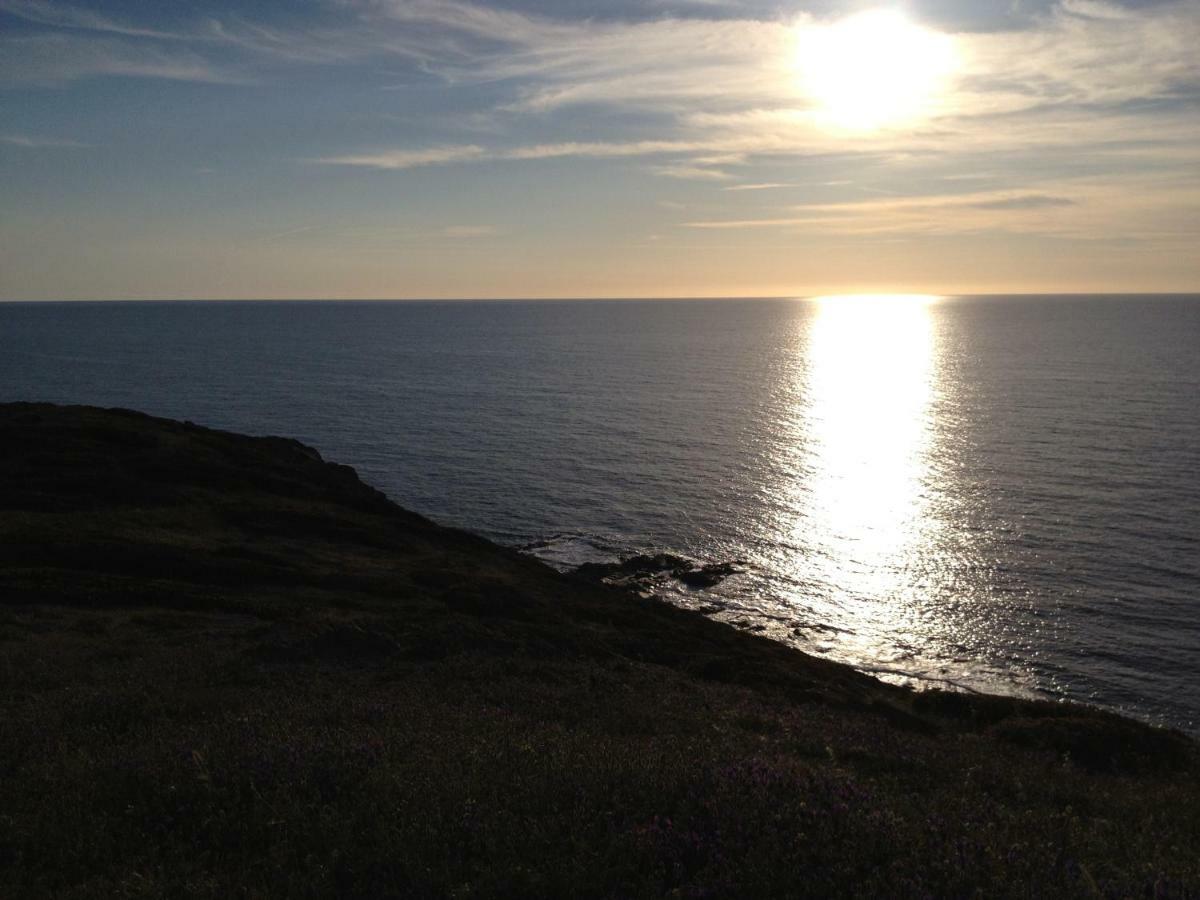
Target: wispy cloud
(64,15)
(39,143)
(407,159)
(691,173)
(377,234)
(1096,9)
(1083,51)
(1145,208)
(410,159)
(80,43)
(1055,119)
(63,57)
(1024,201)
(905,211)
(728,86)
(760,186)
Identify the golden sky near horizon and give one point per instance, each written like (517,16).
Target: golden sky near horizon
(521,148)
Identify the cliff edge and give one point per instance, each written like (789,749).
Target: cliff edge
(228,667)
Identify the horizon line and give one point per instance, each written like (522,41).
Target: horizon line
(603,299)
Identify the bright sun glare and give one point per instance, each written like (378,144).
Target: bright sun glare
(874,69)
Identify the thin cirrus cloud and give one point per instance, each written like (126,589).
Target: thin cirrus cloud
(36,142)
(391,236)
(78,43)
(909,211)
(410,159)
(55,59)
(1085,51)
(691,173)
(725,85)
(1027,201)
(1095,210)
(1065,120)
(760,186)
(62,15)
(1075,55)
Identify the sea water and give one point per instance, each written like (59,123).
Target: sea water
(989,493)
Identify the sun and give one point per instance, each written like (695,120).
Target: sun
(874,70)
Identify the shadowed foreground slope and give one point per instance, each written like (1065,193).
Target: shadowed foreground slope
(228,668)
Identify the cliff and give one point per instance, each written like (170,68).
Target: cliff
(228,667)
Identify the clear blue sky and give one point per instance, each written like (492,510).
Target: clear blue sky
(528,148)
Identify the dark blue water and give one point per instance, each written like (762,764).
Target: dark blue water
(997,493)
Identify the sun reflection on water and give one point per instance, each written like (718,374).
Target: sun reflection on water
(861,491)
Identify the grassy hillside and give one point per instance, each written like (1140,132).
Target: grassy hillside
(228,668)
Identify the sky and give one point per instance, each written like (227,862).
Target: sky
(631,148)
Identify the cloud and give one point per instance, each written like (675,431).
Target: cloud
(715,87)
(760,186)
(1147,207)
(81,43)
(39,143)
(899,210)
(596,149)
(1089,89)
(367,235)
(48,59)
(1085,53)
(1026,201)
(1082,51)
(407,159)
(410,159)
(691,173)
(1095,9)
(63,15)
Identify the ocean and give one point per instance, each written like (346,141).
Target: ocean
(988,493)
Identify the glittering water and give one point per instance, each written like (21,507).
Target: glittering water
(1001,493)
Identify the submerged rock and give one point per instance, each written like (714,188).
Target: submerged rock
(709,575)
(644,570)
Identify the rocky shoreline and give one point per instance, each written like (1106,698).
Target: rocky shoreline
(644,572)
(228,667)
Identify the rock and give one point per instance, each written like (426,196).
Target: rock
(651,565)
(708,576)
(642,570)
(634,568)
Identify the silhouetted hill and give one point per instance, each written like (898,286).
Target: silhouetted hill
(231,668)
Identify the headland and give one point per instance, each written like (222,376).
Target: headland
(230,668)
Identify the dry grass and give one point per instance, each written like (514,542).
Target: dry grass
(229,669)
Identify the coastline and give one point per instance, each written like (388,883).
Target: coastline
(671,577)
(226,660)
(1027,569)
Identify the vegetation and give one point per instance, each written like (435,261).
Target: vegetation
(228,668)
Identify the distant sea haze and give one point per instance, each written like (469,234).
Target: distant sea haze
(993,493)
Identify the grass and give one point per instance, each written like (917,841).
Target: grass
(243,673)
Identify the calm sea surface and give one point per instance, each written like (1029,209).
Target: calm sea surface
(998,493)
